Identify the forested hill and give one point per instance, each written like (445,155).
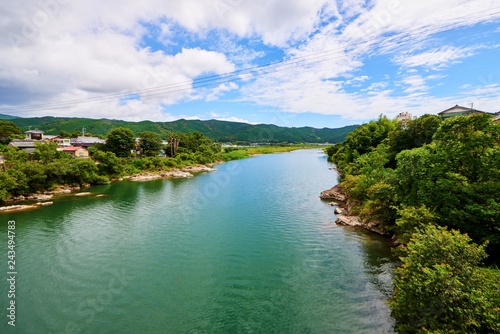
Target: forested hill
(219,130)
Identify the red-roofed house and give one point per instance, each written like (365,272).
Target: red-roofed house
(75,151)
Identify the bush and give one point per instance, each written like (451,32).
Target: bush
(439,287)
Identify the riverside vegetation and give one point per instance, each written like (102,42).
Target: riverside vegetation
(22,174)
(436,185)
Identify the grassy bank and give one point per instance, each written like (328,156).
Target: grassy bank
(230,153)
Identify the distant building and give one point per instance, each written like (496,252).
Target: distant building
(34,135)
(404,117)
(86,141)
(26,145)
(460,111)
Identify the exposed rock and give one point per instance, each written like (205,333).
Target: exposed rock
(333,193)
(198,169)
(23,207)
(355,221)
(348,220)
(41,197)
(44,203)
(179,174)
(339,211)
(83,194)
(14,208)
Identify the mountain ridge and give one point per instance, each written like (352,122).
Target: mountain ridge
(223,131)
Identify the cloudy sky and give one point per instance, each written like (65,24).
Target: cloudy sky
(287,62)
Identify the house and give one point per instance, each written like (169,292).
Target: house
(62,142)
(23,144)
(86,141)
(75,151)
(49,137)
(34,135)
(459,111)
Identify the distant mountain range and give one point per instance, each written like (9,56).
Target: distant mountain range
(219,130)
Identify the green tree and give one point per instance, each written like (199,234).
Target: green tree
(412,219)
(150,143)
(47,152)
(439,287)
(64,134)
(82,171)
(412,134)
(76,134)
(14,156)
(36,176)
(471,146)
(8,185)
(8,131)
(109,163)
(362,140)
(457,177)
(120,141)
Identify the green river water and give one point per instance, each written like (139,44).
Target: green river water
(249,248)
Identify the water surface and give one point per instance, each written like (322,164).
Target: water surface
(249,248)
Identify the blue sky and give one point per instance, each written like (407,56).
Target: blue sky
(286,62)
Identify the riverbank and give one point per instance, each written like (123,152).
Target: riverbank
(237,153)
(343,211)
(45,198)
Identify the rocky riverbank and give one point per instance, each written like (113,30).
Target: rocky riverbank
(45,198)
(185,172)
(344,216)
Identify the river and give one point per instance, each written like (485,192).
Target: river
(249,248)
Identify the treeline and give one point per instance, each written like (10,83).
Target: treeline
(436,185)
(23,174)
(221,131)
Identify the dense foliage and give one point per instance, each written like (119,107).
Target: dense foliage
(47,167)
(8,131)
(413,175)
(441,289)
(220,131)
(150,143)
(450,167)
(120,141)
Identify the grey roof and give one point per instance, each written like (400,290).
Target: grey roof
(23,143)
(87,140)
(34,131)
(50,137)
(457,107)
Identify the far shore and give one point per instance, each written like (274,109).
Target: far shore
(45,198)
(36,201)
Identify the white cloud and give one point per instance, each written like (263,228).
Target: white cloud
(227,118)
(436,59)
(219,90)
(58,50)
